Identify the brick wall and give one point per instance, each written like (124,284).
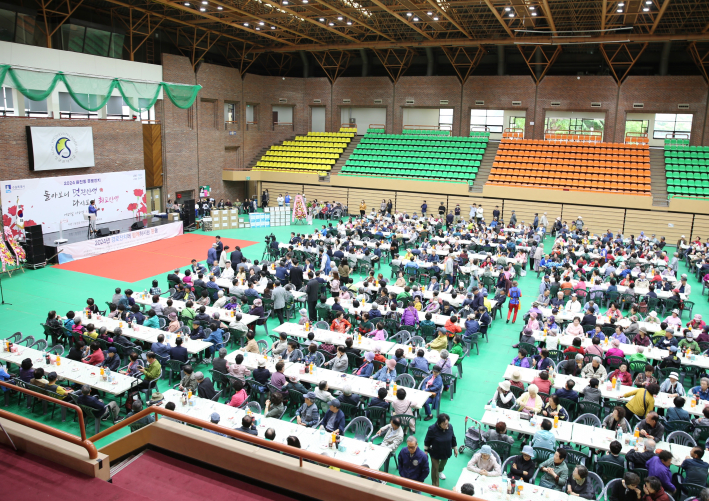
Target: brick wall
(498,92)
(577,94)
(118,146)
(427,92)
(362,92)
(663,95)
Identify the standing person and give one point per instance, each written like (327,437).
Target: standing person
(287,199)
(413,462)
(544,222)
(424,208)
(456,213)
(362,208)
(280,200)
(440,443)
(93,214)
(513,305)
(441,210)
(479,215)
(264,199)
(312,290)
(279,300)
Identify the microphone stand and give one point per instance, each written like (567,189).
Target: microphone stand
(2,296)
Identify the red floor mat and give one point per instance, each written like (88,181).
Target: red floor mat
(179,481)
(147,260)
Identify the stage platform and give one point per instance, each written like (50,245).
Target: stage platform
(77,235)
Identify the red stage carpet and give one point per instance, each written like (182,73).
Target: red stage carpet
(154,474)
(137,263)
(28,477)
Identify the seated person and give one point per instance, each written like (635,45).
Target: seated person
(523,466)
(484,463)
(627,489)
(579,484)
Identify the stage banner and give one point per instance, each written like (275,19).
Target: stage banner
(97,246)
(52,148)
(49,200)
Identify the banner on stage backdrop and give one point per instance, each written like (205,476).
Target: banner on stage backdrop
(97,246)
(49,200)
(52,148)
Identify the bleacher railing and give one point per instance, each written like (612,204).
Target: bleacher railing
(513,133)
(636,138)
(568,136)
(675,139)
(428,130)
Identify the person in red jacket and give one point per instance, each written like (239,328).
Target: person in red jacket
(95,356)
(653,491)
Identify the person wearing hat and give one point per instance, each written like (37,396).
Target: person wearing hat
(392,435)
(433,385)
(684,287)
(523,465)
(387,373)
(688,343)
(672,360)
(674,320)
(503,397)
(261,375)
(440,342)
(667,340)
(485,463)
(111,361)
(214,418)
(703,336)
(516,379)
(334,420)
(367,367)
(308,414)
(652,318)
(642,338)
(696,322)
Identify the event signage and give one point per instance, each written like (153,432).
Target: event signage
(96,246)
(52,148)
(48,200)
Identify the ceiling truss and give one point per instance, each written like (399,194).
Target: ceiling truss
(464,60)
(621,58)
(333,62)
(539,58)
(395,61)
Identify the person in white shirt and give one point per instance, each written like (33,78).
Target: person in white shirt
(221,301)
(573,306)
(479,214)
(280,200)
(228,271)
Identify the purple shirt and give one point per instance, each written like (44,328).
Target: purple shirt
(655,468)
(278,380)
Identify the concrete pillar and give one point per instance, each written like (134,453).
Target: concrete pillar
(103,112)
(18,102)
(53,104)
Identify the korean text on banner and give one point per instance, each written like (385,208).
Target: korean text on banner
(97,246)
(48,200)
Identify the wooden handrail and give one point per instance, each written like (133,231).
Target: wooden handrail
(287,449)
(68,437)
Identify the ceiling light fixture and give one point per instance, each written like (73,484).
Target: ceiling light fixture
(646,9)
(322,19)
(534,13)
(416,19)
(409,14)
(187,4)
(507,9)
(246,24)
(305,1)
(273,27)
(349,23)
(339,18)
(220,7)
(532,7)
(620,10)
(204,2)
(429,14)
(435,19)
(260,23)
(202,9)
(511,14)
(648,2)
(332,24)
(621,4)
(285,2)
(258,29)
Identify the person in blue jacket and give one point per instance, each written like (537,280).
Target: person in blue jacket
(432,384)
(216,338)
(334,420)
(367,368)
(413,462)
(387,373)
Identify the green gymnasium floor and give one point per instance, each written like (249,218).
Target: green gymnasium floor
(34,293)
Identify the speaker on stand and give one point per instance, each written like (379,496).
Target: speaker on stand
(188,215)
(138,225)
(34,247)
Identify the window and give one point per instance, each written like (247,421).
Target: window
(116,50)
(517,122)
(445,119)
(637,126)
(7,26)
(230,112)
(490,120)
(6,107)
(97,42)
(73,37)
(670,123)
(576,125)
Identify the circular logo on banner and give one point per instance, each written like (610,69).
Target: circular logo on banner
(64,147)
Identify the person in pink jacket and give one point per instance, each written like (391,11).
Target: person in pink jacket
(379,334)
(240,396)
